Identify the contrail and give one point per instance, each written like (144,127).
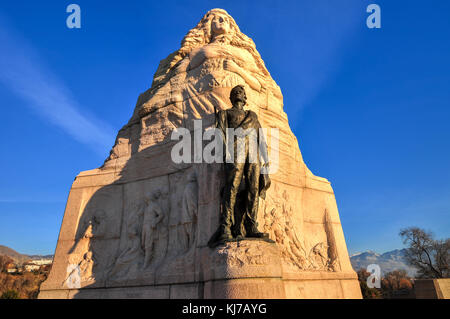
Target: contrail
(25,74)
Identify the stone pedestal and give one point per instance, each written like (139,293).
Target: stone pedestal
(138,226)
(244,269)
(96,257)
(432,288)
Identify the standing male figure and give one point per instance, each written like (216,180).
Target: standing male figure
(153,215)
(244,182)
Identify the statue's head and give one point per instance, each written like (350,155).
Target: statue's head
(238,94)
(220,23)
(216,26)
(155,195)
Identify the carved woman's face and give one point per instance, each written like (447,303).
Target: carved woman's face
(220,24)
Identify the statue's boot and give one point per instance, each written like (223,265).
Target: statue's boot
(253,232)
(224,234)
(257,234)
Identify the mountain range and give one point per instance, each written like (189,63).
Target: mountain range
(18,257)
(389,261)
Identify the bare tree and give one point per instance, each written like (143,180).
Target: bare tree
(430,257)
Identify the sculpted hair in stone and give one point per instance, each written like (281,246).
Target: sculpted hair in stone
(201,35)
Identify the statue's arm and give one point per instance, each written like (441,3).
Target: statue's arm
(159,215)
(262,141)
(192,61)
(183,66)
(221,118)
(231,66)
(221,124)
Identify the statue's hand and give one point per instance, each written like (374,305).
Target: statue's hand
(231,66)
(265,168)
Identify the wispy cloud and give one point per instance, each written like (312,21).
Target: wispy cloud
(25,73)
(28,200)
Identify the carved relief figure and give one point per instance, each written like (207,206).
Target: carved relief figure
(82,262)
(96,226)
(219,55)
(278,217)
(153,215)
(214,54)
(132,255)
(318,256)
(279,222)
(86,266)
(189,206)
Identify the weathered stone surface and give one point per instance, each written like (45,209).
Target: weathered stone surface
(138,226)
(260,288)
(241,259)
(432,288)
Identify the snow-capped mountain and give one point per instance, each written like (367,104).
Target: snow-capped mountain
(389,261)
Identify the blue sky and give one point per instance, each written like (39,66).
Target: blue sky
(370,107)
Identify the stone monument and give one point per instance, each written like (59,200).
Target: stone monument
(139,226)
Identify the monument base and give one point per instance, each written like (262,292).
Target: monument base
(245,269)
(261,288)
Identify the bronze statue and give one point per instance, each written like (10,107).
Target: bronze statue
(244,182)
